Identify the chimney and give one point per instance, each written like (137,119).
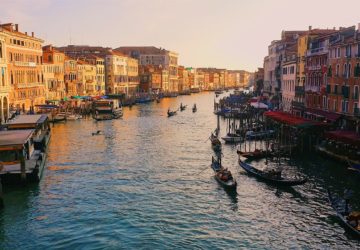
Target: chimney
(310,27)
(16,27)
(334,28)
(32,33)
(358,27)
(25,33)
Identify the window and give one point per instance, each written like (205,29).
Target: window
(338,52)
(345,69)
(349,71)
(337,70)
(356,109)
(356,92)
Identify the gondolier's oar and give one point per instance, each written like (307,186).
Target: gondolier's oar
(203,170)
(207,139)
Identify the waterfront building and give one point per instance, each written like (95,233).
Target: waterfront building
(70,77)
(24,70)
(288,82)
(150,55)
(315,71)
(269,69)
(53,73)
(199,79)
(343,76)
(4,83)
(116,73)
(150,78)
(183,79)
(99,63)
(132,76)
(86,78)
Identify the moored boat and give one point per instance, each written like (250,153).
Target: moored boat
(215,142)
(350,219)
(20,161)
(40,124)
(232,138)
(253,155)
(272,177)
(107,109)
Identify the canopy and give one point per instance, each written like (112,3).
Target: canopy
(259,105)
(349,137)
(291,120)
(331,116)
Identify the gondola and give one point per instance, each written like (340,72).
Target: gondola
(171,113)
(254,155)
(182,108)
(223,176)
(194,109)
(232,138)
(272,179)
(339,206)
(215,143)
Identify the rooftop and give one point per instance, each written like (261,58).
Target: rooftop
(28,119)
(14,137)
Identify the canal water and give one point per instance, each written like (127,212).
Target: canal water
(146,183)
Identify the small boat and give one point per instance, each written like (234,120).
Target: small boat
(20,160)
(272,177)
(218,92)
(351,219)
(222,175)
(171,113)
(182,108)
(252,135)
(253,155)
(158,100)
(232,138)
(215,142)
(194,109)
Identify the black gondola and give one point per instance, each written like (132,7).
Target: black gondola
(222,175)
(271,178)
(182,108)
(171,113)
(339,205)
(194,109)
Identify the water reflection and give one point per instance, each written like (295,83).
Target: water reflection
(147,182)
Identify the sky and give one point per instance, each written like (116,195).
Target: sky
(232,34)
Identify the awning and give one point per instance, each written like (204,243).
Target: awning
(331,116)
(291,120)
(348,137)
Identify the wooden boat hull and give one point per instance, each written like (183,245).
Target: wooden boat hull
(232,139)
(339,214)
(171,113)
(230,185)
(253,155)
(260,175)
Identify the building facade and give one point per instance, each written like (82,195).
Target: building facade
(24,70)
(4,83)
(288,84)
(53,72)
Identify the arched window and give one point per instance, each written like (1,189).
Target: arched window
(349,71)
(345,69)
(337,70)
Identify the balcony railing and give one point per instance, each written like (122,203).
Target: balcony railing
(312,88)
(29,85)
(316,67)
(297,104)
(25,64)
(317,51)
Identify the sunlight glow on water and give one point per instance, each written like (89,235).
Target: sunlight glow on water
(147,183)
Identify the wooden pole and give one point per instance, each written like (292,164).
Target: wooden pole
(22,166)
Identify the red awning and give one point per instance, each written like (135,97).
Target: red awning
(331,116)
(349,137)
(290,119)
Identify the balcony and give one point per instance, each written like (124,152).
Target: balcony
(29,85)
(297,104)
(317,51)
(316,67)
(312,88)
(25,64)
